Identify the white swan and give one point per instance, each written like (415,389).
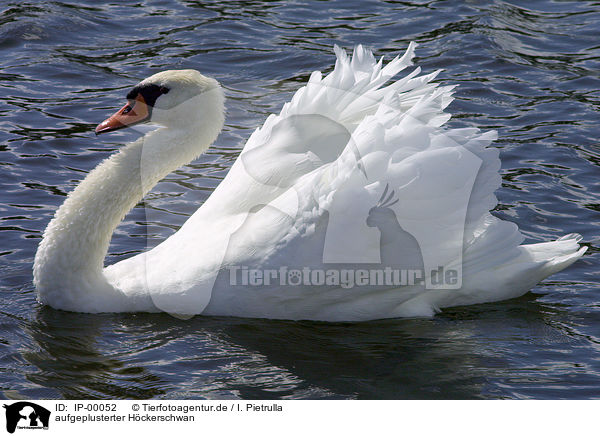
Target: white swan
(312,199)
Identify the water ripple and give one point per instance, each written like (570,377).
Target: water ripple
(529,70)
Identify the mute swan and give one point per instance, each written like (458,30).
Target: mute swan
(299,227)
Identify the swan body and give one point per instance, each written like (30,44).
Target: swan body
(355,173)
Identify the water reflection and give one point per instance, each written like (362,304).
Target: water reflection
(107,356)
(72,359)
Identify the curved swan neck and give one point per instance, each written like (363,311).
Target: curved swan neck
(69,262)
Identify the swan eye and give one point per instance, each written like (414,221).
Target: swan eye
(164,90)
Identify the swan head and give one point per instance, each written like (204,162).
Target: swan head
(172,98)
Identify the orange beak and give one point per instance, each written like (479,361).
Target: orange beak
(134,112)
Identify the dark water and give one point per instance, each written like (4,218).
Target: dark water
(530,70)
